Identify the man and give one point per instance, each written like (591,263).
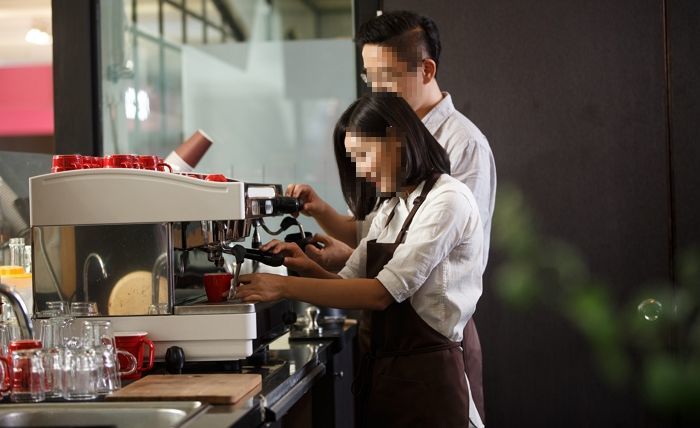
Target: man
(401,54)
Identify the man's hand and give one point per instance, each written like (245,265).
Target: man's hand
(333,256)
(294,257)
(312,204)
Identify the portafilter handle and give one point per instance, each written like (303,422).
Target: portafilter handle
(286,205)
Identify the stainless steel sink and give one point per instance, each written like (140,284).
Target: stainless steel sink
(101,414)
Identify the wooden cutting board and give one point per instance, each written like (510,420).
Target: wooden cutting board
(208,388)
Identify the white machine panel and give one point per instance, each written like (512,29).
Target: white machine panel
(127,196)
(210,337)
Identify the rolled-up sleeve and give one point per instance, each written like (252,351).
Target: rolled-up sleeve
(433,234)
(355,266)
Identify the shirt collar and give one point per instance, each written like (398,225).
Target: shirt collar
(408,202)
(438,114)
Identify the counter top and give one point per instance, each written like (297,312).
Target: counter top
(289,370)
(292,368)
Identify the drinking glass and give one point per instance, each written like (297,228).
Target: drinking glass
(9,331)
(80,374)
(27,376)
(98,335)
(57,305)
(52,335)
(84,309)
(52,359)
(17,252)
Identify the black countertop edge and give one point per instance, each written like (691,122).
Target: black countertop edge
(294,366)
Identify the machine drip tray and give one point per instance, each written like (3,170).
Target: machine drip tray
(232,307)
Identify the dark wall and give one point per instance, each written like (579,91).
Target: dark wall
(76,76)
(573,99)
(684,45)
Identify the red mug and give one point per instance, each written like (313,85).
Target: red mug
(6,381)
(135,343)
(216,285)
(16,345)
(61,163)
(121,161)
(153,163)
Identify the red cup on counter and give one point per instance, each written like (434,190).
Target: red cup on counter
(135,343)
(61,163)
(121,161)
(216,285)
(153,163)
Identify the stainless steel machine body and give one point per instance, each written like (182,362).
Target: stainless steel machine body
(138,242)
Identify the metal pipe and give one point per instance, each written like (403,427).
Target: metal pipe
(161,261)
(20,310)
(86,264)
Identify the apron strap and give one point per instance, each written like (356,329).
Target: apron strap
(429,183)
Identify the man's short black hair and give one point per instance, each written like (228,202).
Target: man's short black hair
(407,32)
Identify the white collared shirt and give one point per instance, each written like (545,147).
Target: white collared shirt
(470,155)
(439,265)
(471,161)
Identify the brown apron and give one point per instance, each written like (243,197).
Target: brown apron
(412,375)
(473,365)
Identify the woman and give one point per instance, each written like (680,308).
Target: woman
(418,270)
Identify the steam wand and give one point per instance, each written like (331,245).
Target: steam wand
(238,251)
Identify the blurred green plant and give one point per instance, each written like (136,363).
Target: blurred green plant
(661,326)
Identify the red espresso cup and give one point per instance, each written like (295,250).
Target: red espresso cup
(60,163)
(153,163)
(94,162)
(121,161)
(216,285)
(135,343)
(216,177)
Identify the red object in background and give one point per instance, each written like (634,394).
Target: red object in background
(96,161)
(216,284)
(216,177)
(61,163)
(26,100)
(17,345)
(193,175)
(121,161)
(154,163)
(136,344)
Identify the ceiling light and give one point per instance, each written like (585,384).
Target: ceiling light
(38,37)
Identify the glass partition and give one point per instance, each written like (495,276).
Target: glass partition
(265,79)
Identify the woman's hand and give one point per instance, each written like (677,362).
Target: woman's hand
(261,287)
(294,257)
(312,204)
(334,254)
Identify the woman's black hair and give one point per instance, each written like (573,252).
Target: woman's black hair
(373,115)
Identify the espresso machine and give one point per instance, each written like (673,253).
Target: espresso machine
(138,242)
